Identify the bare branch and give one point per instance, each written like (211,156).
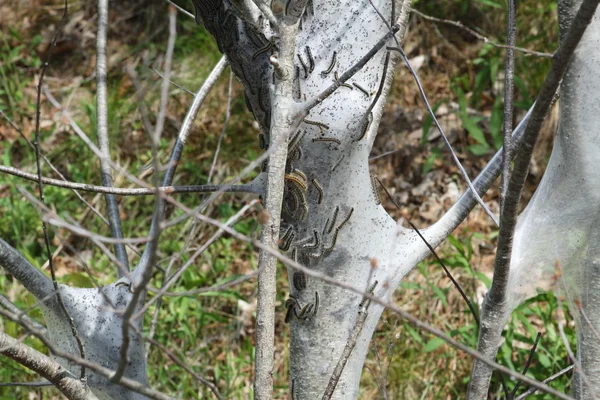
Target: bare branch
(73,388)
(112,207)
(59,299)
(166,190)
(186,126)
(509,74)
(526,367)
(30,277)
(143,272)
(9,306)
(227,117)
(184,11)
(157,72)
(26,384)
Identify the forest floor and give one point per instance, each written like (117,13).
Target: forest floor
(463,79)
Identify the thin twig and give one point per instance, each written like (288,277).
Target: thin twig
(7,304)
(183,10)
(41,187)
(214,288)
(439,127)
(157,72)
(245,188)
(225,124)
(439,260)
(526,367)
(350,344)
(560,317)
(470,31)
(85,138)
(195,223)
(26,384)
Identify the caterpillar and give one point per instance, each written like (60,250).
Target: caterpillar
(375,191)
(371,288)
(286,245)
(347,218)
(327,139)
(298,172)
(295,141)
(365,126)
(304,67)
(333,241)
(311,60)
(335,214)
(331,66)
(319,190)
(321,125)
(342,84)
(362,89)
(299,183)
(262,50)
(299,281)
(337,163)
(315,244)
(286,234)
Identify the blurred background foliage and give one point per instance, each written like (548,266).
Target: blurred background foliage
(213,332)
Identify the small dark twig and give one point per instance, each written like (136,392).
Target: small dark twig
(439,260)
(526,367)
